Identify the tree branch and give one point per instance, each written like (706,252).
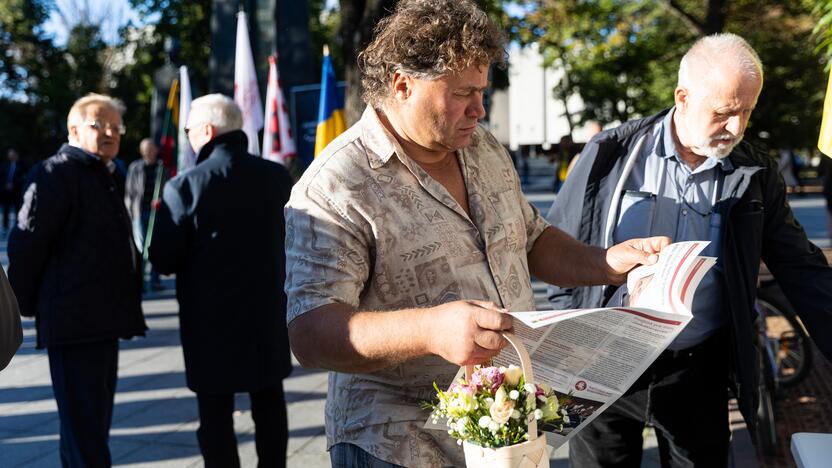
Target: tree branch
(694,23)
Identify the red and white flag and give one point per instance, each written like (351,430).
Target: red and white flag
(278,141)
(246,92)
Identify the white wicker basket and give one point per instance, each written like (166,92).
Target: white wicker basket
(529,454)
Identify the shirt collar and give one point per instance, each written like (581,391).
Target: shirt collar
(380,143)
(666,147)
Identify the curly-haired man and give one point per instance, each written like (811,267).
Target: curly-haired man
(409,236)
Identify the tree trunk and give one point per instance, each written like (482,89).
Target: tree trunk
(358,19)
(715,18)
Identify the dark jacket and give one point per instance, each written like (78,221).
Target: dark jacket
(72,261)
(11,333)
(760,224)
(221,230)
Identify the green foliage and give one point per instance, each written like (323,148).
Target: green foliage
(823,29)
(188,21)
(323,29)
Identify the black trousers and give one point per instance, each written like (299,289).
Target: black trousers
(684,396)
(216,428)
(84,383)
(10,202)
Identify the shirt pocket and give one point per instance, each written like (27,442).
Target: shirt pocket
(635,215)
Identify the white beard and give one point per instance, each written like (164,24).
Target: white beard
(725,144)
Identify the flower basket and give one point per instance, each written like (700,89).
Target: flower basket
(529,454)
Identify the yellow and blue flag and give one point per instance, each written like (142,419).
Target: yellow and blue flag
(825,139)
(331,121)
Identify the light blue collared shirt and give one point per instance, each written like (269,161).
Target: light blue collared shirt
(664,197)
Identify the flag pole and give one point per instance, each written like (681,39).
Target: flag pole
(148,236)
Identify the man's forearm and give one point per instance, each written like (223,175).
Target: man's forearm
(560,259)
(336,338)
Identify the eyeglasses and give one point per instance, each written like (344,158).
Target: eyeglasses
(98,126)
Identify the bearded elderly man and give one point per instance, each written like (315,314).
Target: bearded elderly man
(408,238)
(683,173)
(74,267)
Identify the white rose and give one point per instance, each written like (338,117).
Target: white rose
(500,412)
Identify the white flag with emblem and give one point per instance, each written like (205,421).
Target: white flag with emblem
(246,92)
(278,142)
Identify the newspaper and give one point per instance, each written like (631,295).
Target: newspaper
(594,355)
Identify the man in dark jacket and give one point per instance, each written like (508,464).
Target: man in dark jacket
(221,230)
(684,173)
(74,267)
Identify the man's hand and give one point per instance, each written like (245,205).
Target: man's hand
(623,257)
(467,332)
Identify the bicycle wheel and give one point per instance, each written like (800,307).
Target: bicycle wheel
(786,336)
(766,429)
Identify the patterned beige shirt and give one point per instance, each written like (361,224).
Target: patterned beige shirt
(366,226)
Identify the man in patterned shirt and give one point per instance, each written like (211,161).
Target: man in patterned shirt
(409,236)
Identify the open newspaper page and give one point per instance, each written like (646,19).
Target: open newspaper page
(595,355)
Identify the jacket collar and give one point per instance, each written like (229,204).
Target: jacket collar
(231,143)
(78,154)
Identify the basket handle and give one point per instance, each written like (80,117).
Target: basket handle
(528,375)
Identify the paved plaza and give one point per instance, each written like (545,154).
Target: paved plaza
(155,415)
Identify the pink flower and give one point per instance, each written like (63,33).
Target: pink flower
(489,378)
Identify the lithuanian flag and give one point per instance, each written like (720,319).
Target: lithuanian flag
(825,140)
(330,110)
(170,129)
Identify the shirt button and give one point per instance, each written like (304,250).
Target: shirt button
(112,189)
(684,212)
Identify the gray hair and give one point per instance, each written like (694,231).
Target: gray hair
(220,111)
(718,50)
(79,108)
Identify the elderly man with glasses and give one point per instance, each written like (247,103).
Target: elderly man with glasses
(74,267)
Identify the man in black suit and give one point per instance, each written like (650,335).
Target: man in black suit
(221,230)
(11,178)
(74,267)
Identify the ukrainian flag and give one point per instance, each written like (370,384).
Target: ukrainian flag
(330,110)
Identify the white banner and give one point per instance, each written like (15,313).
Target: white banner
(186,158)
(246,92)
